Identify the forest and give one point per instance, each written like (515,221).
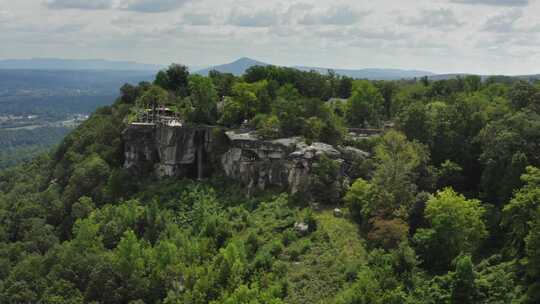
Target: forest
(446,209)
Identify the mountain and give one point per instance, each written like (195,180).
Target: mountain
(75,64)
(372,74)
(239,66)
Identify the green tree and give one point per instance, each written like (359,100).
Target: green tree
(464,282)
(174,79)
(204,99)
(395,173)
(508,147)
(153,96)
(522,94)
(360,200)
(456,226)
(325,185)
(365,107)
(533,258)
(522,209)
(223,82)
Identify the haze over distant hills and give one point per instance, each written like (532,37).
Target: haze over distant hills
(239,66)
(75,64)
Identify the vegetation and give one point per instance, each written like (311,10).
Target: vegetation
(446,209)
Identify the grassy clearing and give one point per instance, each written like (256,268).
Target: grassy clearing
(320,264)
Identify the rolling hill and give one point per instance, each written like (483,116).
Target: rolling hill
(239,66)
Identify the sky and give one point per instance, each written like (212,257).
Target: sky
(442,36)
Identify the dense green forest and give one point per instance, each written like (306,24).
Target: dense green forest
(447,209)
(17,146)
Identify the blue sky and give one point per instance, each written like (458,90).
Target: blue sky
(477,36)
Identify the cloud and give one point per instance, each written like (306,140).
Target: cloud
(5,16)
(493,2)
(152,6)
(442,18)
(79,4)
(197,19)
(503,23)
(245,18)
(336,15)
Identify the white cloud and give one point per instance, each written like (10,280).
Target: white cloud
(253,18)
(79,4)
(334,15)
(494,2)
(503,23)
(438,35)
(152,6)
(442,18)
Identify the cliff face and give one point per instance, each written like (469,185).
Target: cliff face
(285,163)
(168,151)
(258,164)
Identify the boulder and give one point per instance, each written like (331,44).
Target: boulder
(338,212)
(301,228)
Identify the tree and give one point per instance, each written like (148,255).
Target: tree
(456,227)
(88,178)
(174,79)
(473,83)
(395,173)
(533,258)
(388,234)
(223,82)
(128,93)
(388,90)
(204,99)
(153,96)
(360,200)
(508,147)
(522,209)
(345,87)
(365,107)
(415,122)
(267,125)
(325,185)
(464,281)
(288,108)
(522,94)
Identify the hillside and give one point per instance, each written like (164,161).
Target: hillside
(308,200)
(40,106)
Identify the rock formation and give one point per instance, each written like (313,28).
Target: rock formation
(168,151)
(194,152)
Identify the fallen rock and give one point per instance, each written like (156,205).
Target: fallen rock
(338,212)
(301,228)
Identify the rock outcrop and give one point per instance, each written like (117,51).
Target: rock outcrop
(285,163)
(168,151)
(258,164)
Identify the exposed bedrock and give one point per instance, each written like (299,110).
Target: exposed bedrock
(198,152)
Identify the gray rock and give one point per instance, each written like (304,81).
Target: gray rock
(284,163)
(301,228)
(166,150)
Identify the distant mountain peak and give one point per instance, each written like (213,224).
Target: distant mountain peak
(237,67)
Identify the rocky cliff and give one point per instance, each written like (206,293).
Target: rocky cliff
(199,151)
(168,151)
